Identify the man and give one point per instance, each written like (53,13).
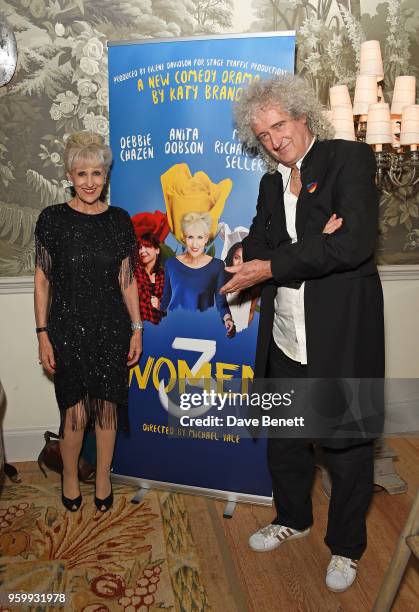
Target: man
(312,245)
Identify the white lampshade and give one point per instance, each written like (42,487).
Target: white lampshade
(371,62)
(409,134)
(378,124)
(339,94)
(343,122)
(404,94)
(365,93)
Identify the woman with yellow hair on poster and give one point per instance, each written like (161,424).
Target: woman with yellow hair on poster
(184,192)
(193,279)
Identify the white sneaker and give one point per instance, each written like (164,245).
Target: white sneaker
(272,536)
(341,573)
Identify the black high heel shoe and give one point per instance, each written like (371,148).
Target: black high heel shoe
(103,505)
(71,504)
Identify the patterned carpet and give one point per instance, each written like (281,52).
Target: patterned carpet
(132,558)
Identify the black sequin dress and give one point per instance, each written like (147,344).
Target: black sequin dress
(87,259)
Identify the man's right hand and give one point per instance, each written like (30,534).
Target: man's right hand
(333,224)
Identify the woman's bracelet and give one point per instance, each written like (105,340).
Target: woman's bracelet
(137,325)
(41,329)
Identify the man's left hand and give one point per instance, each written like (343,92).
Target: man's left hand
(246,275)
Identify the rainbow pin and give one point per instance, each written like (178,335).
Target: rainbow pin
(311,187)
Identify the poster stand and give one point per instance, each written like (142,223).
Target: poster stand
(176,152)
(231,499)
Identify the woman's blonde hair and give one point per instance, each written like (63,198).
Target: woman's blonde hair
(195,218)
(84,147)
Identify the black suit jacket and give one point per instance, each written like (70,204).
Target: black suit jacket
(343,295)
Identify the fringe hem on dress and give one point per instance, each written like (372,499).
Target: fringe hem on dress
(42,258)
(128,267)
(91,412)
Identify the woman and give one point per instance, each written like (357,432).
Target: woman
(242,303)
(193,279)
(150,278)
(87,313)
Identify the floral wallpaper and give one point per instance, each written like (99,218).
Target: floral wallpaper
(329,34)
(60,86)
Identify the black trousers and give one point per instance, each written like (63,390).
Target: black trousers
(291,463)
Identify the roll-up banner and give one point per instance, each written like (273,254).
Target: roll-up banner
(182,174)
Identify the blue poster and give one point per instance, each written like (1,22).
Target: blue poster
(191,189)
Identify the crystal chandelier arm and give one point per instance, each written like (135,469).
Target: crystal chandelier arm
(403,166)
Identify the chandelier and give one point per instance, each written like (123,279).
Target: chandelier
(392,131)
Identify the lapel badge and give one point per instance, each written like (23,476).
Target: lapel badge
(311,187)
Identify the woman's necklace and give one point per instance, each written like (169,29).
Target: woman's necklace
(89,209)
(195,262)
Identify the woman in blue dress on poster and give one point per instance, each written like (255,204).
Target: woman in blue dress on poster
(193,279)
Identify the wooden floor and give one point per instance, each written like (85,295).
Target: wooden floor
(291,578)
